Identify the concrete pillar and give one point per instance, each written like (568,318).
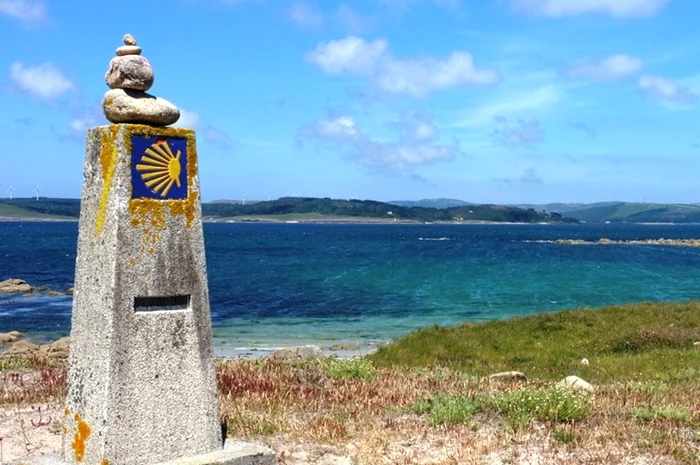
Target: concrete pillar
(142,381)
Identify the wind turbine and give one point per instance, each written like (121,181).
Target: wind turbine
(268,195)
(11,190)
(37,190)
(243,196)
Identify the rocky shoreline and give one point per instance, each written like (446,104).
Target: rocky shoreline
(606,241)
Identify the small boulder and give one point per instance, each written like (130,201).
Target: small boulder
(70,291)
(129,71)
(696,344)
(584,362)
(509,376)
(338,347)
(137,107)
(575,383)
(15,285)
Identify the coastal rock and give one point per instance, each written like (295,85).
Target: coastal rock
(70,291)
(9,338)
(338,347)
(24,348)
(128,50)
(136,107)
(129,72)
(575,383)
(509,376)
(298,353)
(15,285)
(57,349)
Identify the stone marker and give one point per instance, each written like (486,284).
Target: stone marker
(142,382)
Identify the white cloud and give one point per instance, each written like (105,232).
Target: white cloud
(615,8)
(351,55)
(665,89)
(45,80)
(27,11)
(422,76)
(608,69)
(306,15)
(188,119)
(414,77)
(415,145)
(514,104)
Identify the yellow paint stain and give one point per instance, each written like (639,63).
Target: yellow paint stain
(108,160)
(80,438)
(66,412)
(132,261)
(105,462)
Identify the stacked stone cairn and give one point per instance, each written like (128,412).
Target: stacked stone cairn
(129,77)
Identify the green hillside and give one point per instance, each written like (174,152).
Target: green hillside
(639,213)
(48,209)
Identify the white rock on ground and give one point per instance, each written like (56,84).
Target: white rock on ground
(575,383)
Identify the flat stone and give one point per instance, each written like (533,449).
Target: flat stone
(129,72)
(509,376)
(128,50)
(233,453)
(136,107)
(298,353)
(15,285)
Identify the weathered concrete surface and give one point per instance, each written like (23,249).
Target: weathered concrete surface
(233,453)
(142,386)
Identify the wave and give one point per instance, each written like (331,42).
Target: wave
(435,239)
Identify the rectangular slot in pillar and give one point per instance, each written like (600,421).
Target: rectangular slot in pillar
(162,304)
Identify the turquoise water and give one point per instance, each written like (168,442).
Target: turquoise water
(274,285)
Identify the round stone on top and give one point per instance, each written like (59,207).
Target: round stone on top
(129,47)
(129,70)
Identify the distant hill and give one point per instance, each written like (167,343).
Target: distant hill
(431,203)
(564,207)
(306,208)
(44,208)
(632,212)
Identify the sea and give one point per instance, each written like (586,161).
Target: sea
(275,285)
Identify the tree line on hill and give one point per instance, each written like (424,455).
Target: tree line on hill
(326,207)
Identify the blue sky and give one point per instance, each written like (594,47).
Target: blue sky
(489,101)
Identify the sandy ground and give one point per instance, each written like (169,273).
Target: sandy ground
(37,430)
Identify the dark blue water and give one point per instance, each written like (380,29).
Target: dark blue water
(281,284)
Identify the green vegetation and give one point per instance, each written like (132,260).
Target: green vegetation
(553,404)
(446,408)
(358,368)
(627,342)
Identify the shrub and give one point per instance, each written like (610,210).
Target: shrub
(358,368)
(551,404)
(680,415)
(444,408)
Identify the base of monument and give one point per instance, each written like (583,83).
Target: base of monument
(233,453)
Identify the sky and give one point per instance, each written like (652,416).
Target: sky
(487,101)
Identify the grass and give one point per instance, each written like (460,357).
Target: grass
(622,343)
(438,407)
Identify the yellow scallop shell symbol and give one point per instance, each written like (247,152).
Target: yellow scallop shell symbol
(160,169)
